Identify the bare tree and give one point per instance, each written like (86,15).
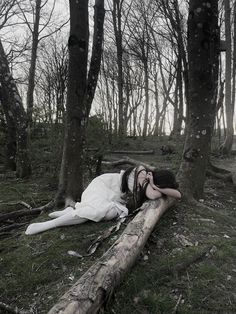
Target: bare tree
(52,81)
(39,24)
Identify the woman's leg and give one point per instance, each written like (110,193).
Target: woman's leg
(65,220)
(60,213)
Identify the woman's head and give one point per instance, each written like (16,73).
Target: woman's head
(164,179)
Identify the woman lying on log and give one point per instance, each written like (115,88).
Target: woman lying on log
(106,197)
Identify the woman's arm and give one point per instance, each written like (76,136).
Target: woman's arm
(158,191)
(151,193)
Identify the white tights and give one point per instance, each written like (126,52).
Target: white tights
(62,218)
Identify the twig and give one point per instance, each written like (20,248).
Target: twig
(23,212)
(177,304)
(11,309)
(17,203)
(11,227)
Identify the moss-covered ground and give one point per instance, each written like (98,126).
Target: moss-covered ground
(187,266)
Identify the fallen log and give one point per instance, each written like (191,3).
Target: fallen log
(131,152)
(127,161)
(94,288)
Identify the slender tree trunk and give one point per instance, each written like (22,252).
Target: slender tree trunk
(116,13)
(96,58)
(203,51)
(16,111)
(157,119)
(227,145)
(31,80)
(146,112)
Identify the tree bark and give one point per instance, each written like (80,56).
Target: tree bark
(116,14)
(203,51)
(96,57)
(227,145)
(80,93)
(10,156)
(13,103)
(34,48)
(94,288)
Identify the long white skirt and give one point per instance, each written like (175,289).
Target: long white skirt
(101,200)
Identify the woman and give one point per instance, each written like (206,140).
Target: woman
(105,197)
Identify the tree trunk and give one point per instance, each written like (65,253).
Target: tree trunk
(146,81)
(77,114)
(94,288)
(31,81)
(203,51)
(116,13)
(16,111)
(80,94)
(96,57)
(10,159)
(229,110)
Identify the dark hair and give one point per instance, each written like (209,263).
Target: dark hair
(124,180)
(136,197)
(164,179)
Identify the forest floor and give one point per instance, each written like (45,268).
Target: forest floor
(187,266)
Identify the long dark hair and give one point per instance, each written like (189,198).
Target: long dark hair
(164,179)
(137,196)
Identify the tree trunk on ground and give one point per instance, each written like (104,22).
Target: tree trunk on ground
(79,96)
(13,103)
(94,288)
(229,110)
(203,51)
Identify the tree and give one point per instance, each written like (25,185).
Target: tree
(203,51)
(80,92)
(38,22)
(15,116)
(117,24)
(229,101)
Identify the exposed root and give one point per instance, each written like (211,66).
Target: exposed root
(219,173)
(225,177)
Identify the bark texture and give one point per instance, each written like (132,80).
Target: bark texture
(229,103)
(80,93)
(203,52)
(33,59)
(12,103)
(94,288)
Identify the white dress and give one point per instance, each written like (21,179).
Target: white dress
(101,200)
